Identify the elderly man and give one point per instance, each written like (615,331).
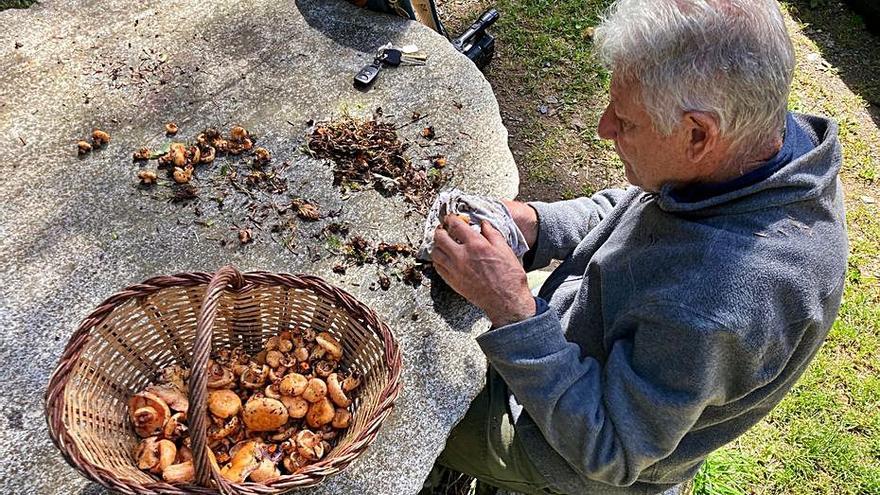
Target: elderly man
(685,306)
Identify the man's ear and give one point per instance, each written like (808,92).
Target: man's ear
(702,135)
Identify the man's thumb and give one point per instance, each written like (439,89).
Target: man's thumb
(491,234)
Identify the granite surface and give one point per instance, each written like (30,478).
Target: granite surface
(74,230)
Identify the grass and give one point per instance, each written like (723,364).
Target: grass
(16,4)
(824,438)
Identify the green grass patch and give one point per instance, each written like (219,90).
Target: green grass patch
(16,4)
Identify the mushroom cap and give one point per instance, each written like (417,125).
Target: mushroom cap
(148,413)
(167,454)
(293,384)
(297,407)
(273,358)
(266,471)
(301,353)
(320,413)
(330,345)
(264,414)
(219,376)
(341,419)
(243,463)
(172,395)
(315,390)
(255,376)
(334,389)
(351,382)
(183,472)
(147,453)
(224,403)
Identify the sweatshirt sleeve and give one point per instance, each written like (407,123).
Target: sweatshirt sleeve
(612,422)
(563,224)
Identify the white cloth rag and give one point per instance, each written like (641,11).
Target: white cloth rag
(476,209)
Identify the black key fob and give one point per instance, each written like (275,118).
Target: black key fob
(367,75)
(391,56)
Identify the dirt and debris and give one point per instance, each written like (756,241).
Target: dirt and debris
(428,132)
(370,153)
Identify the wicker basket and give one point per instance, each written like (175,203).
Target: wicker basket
(177,319)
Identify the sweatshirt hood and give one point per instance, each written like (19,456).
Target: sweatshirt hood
(803,178)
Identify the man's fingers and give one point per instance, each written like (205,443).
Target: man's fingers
(492,235)
(444,242)
(459,229)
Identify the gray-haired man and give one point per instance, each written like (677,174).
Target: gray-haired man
(685,306)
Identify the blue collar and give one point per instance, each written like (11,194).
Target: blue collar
(795,144)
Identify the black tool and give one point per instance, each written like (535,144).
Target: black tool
(368,74)
(476,42)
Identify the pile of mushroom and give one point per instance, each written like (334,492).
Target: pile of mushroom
(273,413)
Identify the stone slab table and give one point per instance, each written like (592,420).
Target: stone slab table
(74,230)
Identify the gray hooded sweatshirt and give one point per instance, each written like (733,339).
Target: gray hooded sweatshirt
(673,326)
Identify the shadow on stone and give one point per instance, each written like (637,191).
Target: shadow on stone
(358,33)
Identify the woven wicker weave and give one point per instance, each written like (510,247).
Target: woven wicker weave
(179,319)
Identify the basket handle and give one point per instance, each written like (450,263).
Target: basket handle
(198,384)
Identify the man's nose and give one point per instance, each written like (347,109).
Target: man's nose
(607,126)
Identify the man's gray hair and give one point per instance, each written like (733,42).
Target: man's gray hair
(732,58)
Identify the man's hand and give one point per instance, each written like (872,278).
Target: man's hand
(484,270)
(526,219)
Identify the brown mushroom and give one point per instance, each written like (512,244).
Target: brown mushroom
(320,413)
(238,133)
(285,345)
(179,473)
(175,375)
(330,345)
(324,368)
(266,471)
(351,382)
(273,358)
(175,427)
(272,343)
(293,384)
(208,155)
(147,176)
(177,153)
(223,403)
(315,390)
(244,462)
(167,454)
(334,389)
(100,137)
(83,147)
(264,414)
(219,376)
(284,435)
(341,418)
(184,453)
(254,376)
(182,175)
(219,432)
(172,395)
(171,128)
(143,153)
(301,353)
(262,155)
(297,407)
(148,413)
(193,155)
(271,391)
(294,462)
(147,453)
(308,445)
